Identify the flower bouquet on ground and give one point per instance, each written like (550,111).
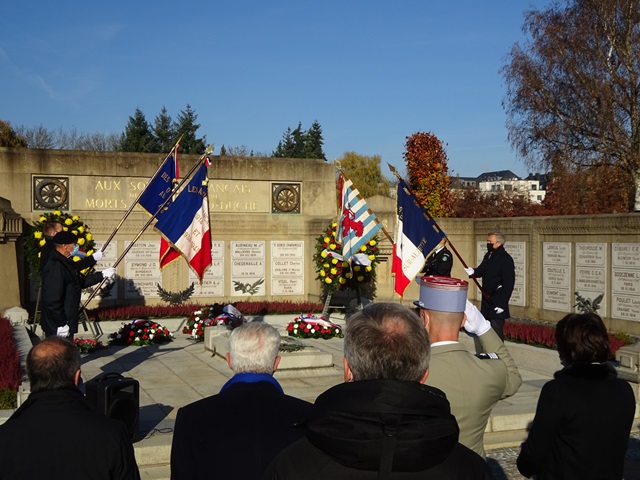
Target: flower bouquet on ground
(141,332)
(211,316)
(86,345)
(313,326)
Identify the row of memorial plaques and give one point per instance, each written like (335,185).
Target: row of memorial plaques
(142,273)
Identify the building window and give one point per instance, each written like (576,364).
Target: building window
(533,186)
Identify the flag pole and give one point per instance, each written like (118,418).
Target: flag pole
(464,264)
(168,199)
(126,215)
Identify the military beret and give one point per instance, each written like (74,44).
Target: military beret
(64,238)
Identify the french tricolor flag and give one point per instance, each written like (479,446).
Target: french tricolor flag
(185,224)
(416,236)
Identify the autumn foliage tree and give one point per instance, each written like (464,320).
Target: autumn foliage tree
(427,168)
(590,191)
(573,96)
(471,202)
(364,171)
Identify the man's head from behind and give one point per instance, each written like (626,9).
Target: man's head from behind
(51,228)
(52,364)
(254,347)
(386,341)
(442,304)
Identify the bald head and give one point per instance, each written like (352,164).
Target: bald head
(52,364)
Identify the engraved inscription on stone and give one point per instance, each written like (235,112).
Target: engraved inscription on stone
(225,196)
(625,281)
(248,268)
(556,253)
(142,270)
(625,255)
(591,272)
(518,251)
(591,254)
(625,307)
(556,298)
(287,267)
(556,276)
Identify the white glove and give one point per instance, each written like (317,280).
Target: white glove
(108,272)
(97,255)
(63,331)
(498,310)
(469,271)
(475,323)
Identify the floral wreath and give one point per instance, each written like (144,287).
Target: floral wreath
(141,332)
(313,326)
(337,274)
(70,223)
(87,345)
(208,317)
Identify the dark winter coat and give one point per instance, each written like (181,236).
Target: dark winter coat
(581,427)
(49,247)
(59,434)
(62,287)
(236,433)
(439,263)
(401,429)
(498,275)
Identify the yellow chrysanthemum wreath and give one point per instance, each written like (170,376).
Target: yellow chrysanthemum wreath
(335,274)
(36,240)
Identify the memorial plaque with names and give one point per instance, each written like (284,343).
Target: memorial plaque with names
(213,279)
(591,272)
(248,268)
(591,254)
(625,255)
(287,267)
(625,307)
(556,276)
(142,270)
(518,251)
(559,299)
(625,281)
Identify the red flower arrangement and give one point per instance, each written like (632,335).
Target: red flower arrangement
(312,326)
(141,332)
(86,345)
(212,316)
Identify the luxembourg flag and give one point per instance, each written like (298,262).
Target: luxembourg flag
(185,224)
(357,223)
(416,236)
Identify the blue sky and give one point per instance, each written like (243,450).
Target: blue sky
(371,72)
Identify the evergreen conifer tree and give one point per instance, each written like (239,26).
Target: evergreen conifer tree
(137,136)
(164,132)
(187,127)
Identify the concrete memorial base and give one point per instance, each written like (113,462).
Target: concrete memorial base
(308,361)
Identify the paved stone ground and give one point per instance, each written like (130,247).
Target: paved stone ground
(503,461)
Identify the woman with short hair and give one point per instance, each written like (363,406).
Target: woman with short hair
(584,415)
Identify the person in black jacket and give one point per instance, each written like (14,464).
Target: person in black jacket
(57,433)
(584,415)
(62,286)
(498,274)
(440,261)
(251,413)
(49,230)
(382,422)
